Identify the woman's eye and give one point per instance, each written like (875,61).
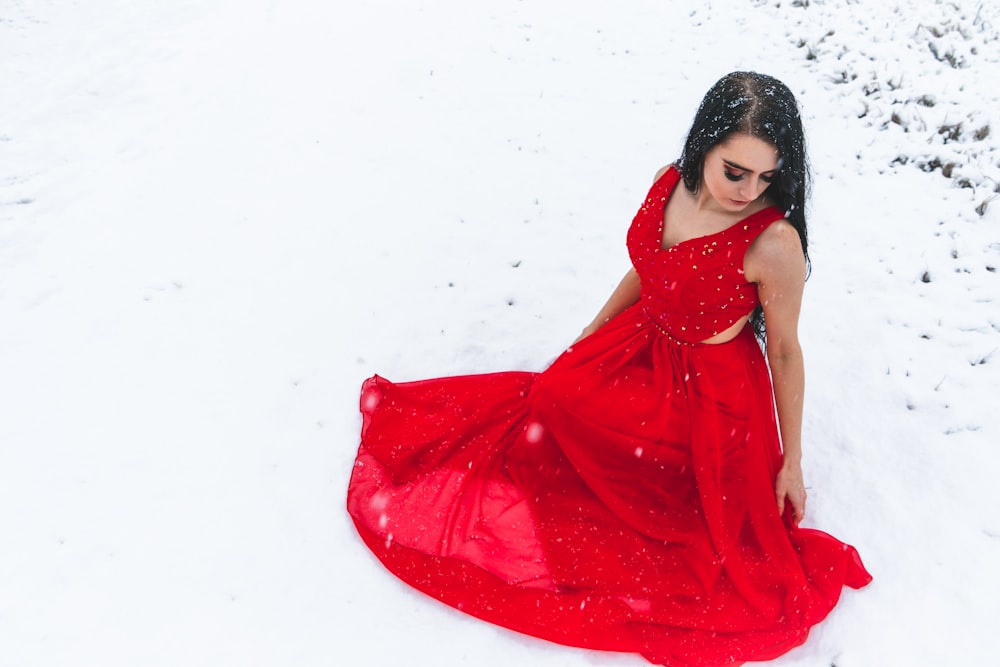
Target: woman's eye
(768,179)
(733,176)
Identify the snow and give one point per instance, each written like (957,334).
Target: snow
(217,218)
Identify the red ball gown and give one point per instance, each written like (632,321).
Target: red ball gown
(621,500)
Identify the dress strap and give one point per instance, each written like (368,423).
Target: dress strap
(754,225)
(661,188)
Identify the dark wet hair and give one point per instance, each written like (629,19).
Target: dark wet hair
(763,107)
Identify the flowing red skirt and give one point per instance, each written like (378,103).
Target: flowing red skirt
(621,500)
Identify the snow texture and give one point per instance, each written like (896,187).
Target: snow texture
(218,217)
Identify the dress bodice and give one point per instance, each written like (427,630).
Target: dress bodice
(696,288)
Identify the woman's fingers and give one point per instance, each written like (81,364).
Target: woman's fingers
(796,495)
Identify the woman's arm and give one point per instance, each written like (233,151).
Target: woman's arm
(626,294)
(776,263)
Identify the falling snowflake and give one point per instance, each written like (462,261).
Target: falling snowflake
(533,433)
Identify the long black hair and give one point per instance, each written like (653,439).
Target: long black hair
(763,107)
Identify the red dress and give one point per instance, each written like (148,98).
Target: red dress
(621,500)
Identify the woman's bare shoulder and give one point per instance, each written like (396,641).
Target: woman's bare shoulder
(781,236)
(776,249)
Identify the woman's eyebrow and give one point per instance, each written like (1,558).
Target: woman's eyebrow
(736,166)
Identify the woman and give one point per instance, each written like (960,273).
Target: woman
(641,494)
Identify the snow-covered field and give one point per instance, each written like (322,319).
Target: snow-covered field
(218,217)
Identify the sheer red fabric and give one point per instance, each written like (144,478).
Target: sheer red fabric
(621,500)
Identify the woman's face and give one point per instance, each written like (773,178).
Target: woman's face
(738,170)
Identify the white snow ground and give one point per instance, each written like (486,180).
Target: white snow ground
(218,217)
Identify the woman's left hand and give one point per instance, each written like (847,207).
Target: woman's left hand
(790,486)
